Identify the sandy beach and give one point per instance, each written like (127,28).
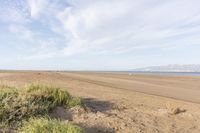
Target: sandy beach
(124,103)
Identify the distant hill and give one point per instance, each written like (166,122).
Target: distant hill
(171,68)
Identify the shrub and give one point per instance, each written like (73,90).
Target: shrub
(56,95)
(44,125)
(34,101)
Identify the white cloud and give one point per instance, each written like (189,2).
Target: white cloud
(14,11)
(38,46)
(37,7)
(115,26)
(21,32)
(118,25)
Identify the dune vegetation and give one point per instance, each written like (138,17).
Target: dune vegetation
(44,125)
(26,109)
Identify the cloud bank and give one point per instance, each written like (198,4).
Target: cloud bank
(57,28)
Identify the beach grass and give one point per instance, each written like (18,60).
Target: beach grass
(34,101)
(45,125)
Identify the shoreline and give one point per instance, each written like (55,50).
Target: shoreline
(186,88)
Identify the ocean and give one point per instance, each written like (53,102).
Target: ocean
(153,73)
(163,73)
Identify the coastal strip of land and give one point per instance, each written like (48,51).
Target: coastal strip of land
(124,102)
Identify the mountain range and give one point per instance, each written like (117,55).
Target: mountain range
(171,68)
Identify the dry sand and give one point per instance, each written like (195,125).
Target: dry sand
(114,102)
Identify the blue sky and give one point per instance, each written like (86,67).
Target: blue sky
(98,34)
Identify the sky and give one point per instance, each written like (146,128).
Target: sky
(98,34)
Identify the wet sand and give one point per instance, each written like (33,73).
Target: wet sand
(179,87)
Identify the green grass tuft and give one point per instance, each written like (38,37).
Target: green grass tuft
(74,101)
(6,92)
(44,125)
(58,96)
(17,105)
